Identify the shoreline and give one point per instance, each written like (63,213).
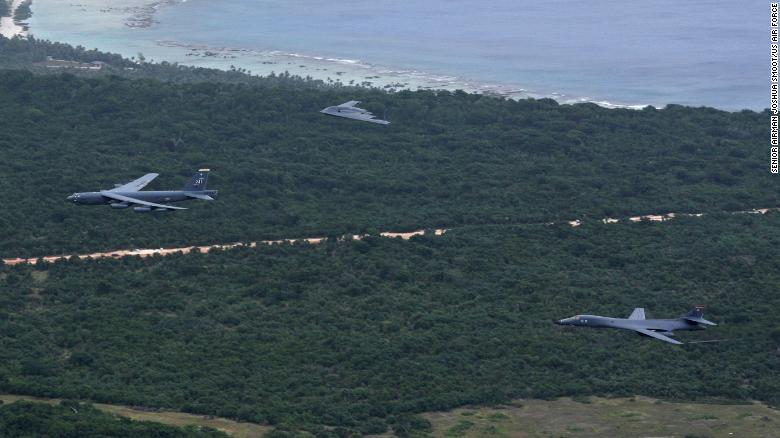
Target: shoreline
(126,20)
(179,31)
(356,72)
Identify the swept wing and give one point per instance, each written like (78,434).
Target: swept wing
(350,111)
(659,336)
(699,320)
(118,197)
(366,117)
(136,185)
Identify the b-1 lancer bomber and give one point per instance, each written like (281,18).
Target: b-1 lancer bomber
(660,329)
(125,195)
(350,111)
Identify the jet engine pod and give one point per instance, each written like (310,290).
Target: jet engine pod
(142,209)
(119,205)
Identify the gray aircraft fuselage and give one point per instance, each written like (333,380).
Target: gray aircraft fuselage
(658,325)
(346,109)
(159,197)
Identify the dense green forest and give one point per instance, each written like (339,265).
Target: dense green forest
(285,170)
(360,337)
(31,53)
(363,334)
(77,420)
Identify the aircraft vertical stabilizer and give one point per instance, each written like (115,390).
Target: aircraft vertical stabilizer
(198,181)
(638,313)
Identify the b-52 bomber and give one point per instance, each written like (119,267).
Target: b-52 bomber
(350,111)
(660,329)
(125,195)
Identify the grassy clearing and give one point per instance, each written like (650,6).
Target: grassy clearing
(591,417)
(599,417)
(179,419)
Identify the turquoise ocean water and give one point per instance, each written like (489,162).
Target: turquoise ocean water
(626,53)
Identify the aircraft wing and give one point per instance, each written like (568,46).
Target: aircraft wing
(366,117)
(638,313)
(118,197)
(136,185)
(350,103)
(374,120)
(658,336)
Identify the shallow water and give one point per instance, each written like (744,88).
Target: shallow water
(625,53)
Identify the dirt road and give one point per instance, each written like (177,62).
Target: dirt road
(188,249)
(317,240)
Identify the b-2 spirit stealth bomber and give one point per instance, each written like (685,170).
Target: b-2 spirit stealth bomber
(350,111)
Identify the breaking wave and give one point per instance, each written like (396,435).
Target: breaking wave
(358,72)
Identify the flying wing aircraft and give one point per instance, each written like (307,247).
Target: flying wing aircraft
(661,329)
(125,195)
(351,111)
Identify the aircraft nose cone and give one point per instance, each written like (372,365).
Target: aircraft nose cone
(555,321)
(69,198)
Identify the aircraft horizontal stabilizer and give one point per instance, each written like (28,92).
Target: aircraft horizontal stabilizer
(697,315)
(199,196)
(699,320)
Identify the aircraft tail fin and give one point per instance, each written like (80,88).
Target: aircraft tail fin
(638,313)
(697,315)
(198,181)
